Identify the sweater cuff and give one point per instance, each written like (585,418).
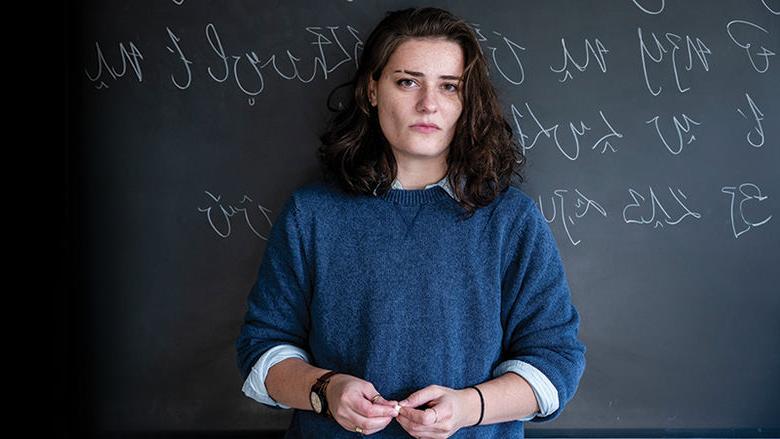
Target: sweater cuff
(544,390)
(254,386)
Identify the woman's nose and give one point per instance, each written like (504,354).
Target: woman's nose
(427,100)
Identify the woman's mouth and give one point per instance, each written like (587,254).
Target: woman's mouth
(422,128)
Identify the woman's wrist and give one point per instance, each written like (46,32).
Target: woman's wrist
(472,405)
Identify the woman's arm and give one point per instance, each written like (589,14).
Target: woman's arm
(507,398)
(540,329)
(289,382)
(540,322)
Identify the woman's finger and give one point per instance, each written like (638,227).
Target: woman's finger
(421,417)
(418,430)
(357,410)
(379,399)
(366,409)
(435,421)
(423,396)
(368,425)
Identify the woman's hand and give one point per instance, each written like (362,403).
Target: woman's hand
(448,412)
(350,402)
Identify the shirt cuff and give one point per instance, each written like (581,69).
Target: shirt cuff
(254,386)
(544,390)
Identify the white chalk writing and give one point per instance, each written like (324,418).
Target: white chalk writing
(571,152)
(758,129)
(132,57)
(745,27)
(598,53)
(582,204)
(748,192)
(693,47)
(680,128)
(656,208)
(658,9)
(219,215)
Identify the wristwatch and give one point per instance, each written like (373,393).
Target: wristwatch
(317,395)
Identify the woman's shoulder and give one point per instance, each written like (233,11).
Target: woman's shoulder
(517,195)
(515,202)
(317,194)
(518,213)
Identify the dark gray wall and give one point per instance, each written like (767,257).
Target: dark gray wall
(652,133)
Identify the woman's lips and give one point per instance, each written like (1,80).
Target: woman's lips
(424,128)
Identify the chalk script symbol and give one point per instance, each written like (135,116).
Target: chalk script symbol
(612,133)
(748,192)
(758,116)
(680,127)
(552,133)
(217,212)
(655,204)
(320,61)
(776,12)
(511,46)
(693,47)
(132,57)
(764,53)
(582,204)
(183,59)
(652,12)
(598,54)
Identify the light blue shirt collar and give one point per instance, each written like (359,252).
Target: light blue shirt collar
(444,183)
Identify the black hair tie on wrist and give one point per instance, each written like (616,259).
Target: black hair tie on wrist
(482,405)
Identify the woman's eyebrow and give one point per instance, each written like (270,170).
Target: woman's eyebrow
(422,75)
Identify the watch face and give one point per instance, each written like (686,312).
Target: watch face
(315,402)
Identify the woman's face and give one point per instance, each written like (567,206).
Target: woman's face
(420,85)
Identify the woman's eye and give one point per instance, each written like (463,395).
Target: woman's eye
(407,83)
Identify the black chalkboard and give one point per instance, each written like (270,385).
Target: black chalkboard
(652,131)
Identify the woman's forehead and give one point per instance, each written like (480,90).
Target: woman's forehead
(427,57)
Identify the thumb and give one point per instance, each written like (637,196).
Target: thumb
(381,400)
(371,394)
(421,397)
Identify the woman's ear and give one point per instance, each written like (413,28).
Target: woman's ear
(372,91)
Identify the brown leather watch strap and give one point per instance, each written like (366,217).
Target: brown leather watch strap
(321,386)
(326,376)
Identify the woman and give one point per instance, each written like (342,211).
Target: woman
(414,291)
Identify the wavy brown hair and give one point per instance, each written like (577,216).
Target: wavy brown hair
(482,156)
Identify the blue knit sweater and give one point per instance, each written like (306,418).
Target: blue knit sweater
(396,289)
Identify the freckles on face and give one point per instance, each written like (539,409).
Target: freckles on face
(418,96)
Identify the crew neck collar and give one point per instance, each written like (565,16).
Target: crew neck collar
(411,197)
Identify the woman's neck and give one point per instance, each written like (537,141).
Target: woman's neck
(419,179)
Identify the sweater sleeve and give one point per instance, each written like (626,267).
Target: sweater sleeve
(278,304)
(540,323)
